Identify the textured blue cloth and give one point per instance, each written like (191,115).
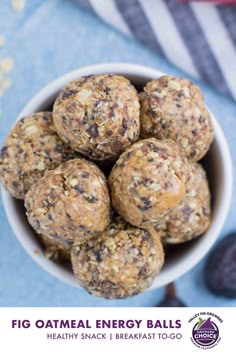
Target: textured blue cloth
(47,39)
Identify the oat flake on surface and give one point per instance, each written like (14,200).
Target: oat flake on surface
(6,65)
(2,40)
(18,5)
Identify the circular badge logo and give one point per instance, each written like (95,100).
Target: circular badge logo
(205,332)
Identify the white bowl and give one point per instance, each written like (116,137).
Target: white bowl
(217,163)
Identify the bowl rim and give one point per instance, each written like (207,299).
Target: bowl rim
(201,248)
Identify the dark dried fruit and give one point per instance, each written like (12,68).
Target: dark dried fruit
(93,130)
(220,268)
(171,299)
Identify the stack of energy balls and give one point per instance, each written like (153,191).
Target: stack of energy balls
(113,228)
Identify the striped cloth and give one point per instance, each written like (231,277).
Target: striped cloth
(199,38)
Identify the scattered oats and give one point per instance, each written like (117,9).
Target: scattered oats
(2,40)
(6,65)
(18,5)
(4,85)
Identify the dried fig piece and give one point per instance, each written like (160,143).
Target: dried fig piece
(220,268)
(171,299)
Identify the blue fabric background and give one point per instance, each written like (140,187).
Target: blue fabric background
(46,40)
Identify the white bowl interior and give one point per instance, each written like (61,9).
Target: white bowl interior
(217,163)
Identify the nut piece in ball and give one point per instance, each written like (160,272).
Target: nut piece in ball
(98,115)
(31,148)
(148,180)
(173,108)
(121,262)
(192,217)
(70,202)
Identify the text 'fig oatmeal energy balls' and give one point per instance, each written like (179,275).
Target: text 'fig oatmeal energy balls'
(174,108)
(31,148)
(148,180)
(121,262)
(98,115)
(70,202)
(192,217)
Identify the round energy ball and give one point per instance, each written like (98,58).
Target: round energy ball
(70,202)
(31,148)
(192,217)
(121,262)
(173,108)
(56,250)
(148,180)
(98,115)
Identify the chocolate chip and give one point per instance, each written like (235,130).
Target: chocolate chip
(142,272)
(153,147)
(85,174)
(107,90)
(144,207)
(79,189)
(91,199)
(93,130)
(15,185)
(146,236)
(67,94)
(109,132)
(98,256)
(145,200)
(124,123)
(58,148)
(201,119)
(4,152)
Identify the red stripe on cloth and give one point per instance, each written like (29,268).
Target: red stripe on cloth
(232,2)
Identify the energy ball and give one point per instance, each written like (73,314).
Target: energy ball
(192,217)
(121,262)
(148,180)
(31,148)
(173,108)
(69,202)
(56,250)
(98,115)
